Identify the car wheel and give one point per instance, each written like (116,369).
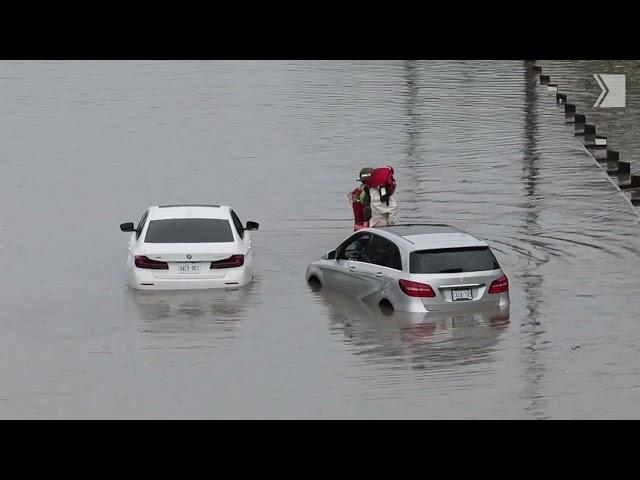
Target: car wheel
(386,308)
(314,283)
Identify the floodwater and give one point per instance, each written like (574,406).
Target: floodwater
(85,146)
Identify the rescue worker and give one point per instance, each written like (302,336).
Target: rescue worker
(382,186)
(359,198)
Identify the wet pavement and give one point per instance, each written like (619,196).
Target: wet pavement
(85,146)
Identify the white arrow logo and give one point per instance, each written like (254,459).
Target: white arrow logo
(613,91)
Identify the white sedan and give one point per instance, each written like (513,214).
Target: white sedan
(178,247)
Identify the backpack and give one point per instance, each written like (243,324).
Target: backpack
(382,177)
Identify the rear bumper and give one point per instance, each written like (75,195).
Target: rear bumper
(417,305)
(143,279)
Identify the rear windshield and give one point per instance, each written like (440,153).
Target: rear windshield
(453,260)
(189,230)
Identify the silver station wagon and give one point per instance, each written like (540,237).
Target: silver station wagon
(414,268)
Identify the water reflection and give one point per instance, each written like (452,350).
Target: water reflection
(189,312)
(424,341)
(532,281)
(412,160)
(530,227)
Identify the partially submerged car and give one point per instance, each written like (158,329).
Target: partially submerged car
(189,247)
(414,268)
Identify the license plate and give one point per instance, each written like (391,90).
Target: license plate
(461,294)
(189,268)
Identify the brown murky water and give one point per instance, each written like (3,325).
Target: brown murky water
(85,146)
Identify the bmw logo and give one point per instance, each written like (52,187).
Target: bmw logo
(189,256)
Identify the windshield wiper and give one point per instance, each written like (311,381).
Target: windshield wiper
(451,270)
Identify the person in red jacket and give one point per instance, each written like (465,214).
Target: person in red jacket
(382,187)
(359,199)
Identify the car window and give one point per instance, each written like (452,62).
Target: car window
(237,223)
(384,252)
(354,248)
(453,260)
(141,224)
(189,230)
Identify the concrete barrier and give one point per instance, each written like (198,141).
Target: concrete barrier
(589,133)
(569,112)
(606,156)
(597,143)
(619,168)
(634,183)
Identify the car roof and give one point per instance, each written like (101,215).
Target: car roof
(165,212)
(426,236)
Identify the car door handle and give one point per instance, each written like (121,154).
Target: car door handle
(378,274)
(352,267)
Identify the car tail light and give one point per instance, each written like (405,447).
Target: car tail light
(500,285)
(416,289)
(231,262)
(143,262)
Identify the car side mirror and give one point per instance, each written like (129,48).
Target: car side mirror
(127,227)
(331,255)
(252,226)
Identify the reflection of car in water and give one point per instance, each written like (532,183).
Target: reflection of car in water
(422,339)
(188,311)
(189,247)
(414,268)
